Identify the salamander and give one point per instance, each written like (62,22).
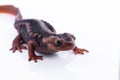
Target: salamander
(39,35)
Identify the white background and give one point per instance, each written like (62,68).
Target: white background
(96,25)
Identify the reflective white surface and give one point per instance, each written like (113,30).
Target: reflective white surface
(96,25)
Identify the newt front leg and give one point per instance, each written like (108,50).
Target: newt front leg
(79,51)
(31,47)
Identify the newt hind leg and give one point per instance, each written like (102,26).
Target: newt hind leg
(17,44)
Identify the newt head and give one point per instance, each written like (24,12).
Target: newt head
(61,42)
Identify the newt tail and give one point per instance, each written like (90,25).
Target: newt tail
(10,9)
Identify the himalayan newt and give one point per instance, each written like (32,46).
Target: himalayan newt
(39,35)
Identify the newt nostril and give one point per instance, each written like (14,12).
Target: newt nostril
(68,39)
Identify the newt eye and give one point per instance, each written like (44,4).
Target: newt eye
(58,43)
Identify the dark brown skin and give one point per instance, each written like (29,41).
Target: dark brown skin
(39,35)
